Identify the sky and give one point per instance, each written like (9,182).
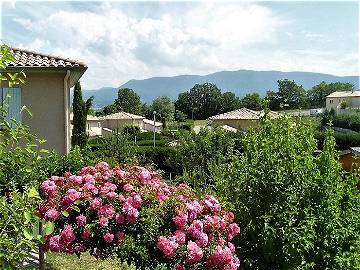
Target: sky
(120,41)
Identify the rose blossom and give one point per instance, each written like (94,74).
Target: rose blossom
(96,203)
(81,220)
(52,214)
(167,246)
(54,243)
(194,253)
(103,221)
(119,218)
(108,237)
(120,236)
(86,234)
(128,187)
(67,235)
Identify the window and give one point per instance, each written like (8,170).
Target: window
(99,125)
(331,101)
(10,100)
(88,126)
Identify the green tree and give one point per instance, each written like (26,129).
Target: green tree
(128,101)
(252,101)
(297,210)
(291,95)
(201,102)
(317,94)
(80,111)
(229,102)
(164,108)
(272,99)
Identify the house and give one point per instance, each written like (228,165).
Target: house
(149,125)
(117,120)
(93,126)
(239,119)
(45,93)
(343,100)
(350,159)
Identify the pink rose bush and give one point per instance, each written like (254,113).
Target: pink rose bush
(138,217)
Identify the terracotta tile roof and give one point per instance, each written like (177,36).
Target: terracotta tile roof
(344,94)
(123,115)
(243,113)
(25,58)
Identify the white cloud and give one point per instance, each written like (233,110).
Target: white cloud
(118,47)
(199,38)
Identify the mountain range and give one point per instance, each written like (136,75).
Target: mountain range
(240,82)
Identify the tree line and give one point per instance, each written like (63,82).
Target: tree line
(205,100)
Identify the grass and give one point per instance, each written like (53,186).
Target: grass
(200,122)
(61,261)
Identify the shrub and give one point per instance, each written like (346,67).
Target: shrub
(297,210)
(136,216)
(343,140)
(158,157)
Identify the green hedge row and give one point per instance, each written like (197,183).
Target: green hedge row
(343,141)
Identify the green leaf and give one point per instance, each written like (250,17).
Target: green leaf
(33,193)
(65,213)
(49,227)
(27,216)
(77,209)
(28,234)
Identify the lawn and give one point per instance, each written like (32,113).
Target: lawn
(200,122)
(61,261)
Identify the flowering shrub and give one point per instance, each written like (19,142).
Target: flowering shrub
(136,216)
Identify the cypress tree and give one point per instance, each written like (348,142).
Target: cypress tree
(80,111)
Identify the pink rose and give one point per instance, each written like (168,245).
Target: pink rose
(180,220)
(81,220)
(108,237)
(103,222)
(120,219)
(194,253)
(120,236)
(52,214)
(96,203)
(132,215)
(54,243)
(167,246)
(180,236)
(234,229)
(67,235)
(86,234)
(128,187)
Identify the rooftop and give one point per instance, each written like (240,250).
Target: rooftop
(25,58)
(151,122)
(123,115)
(244,114)
(344,94)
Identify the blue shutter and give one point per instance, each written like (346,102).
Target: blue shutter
(12,104)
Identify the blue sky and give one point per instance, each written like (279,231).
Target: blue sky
(120,41)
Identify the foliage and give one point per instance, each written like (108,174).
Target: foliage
(116,149)
(128,101)
(164,108)
(289,95)
(138,217)
(201,102)
(197,153)
(297,210)
(317,94)
(19,231)
(179,116)
(348,121)
(229,102)
(131,131)
(159,157)
(80,111)
(343,141)
(252,101)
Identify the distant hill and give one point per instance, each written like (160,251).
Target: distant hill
(241,82)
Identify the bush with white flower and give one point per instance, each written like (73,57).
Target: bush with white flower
(134,215)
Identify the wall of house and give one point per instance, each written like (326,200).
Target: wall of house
(333,103)
(118,123)
(149,127)
(43,95)
(94,126)
(236,123)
